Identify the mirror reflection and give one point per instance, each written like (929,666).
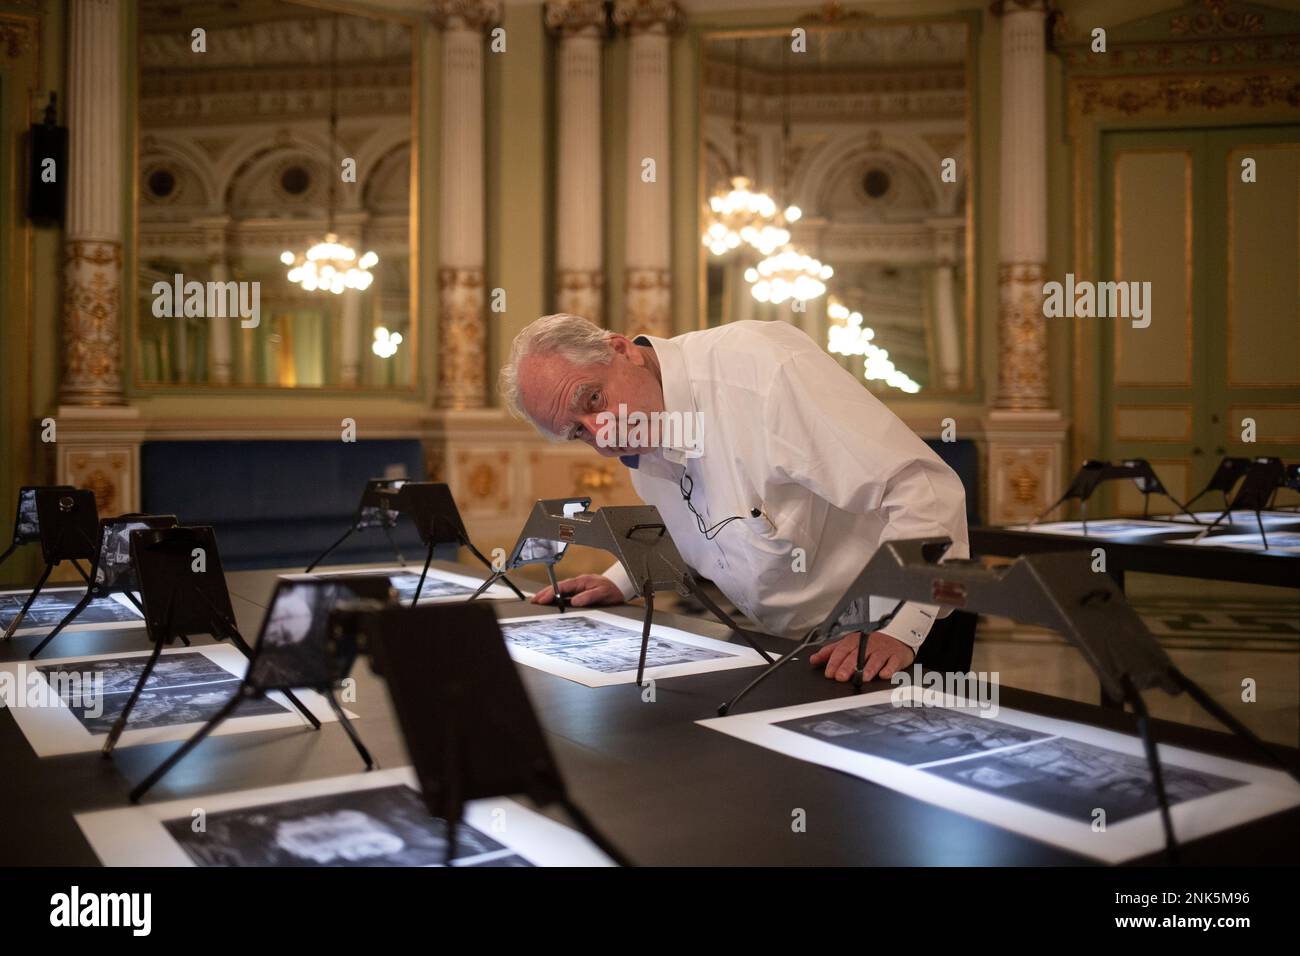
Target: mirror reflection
(835,195)
(274,174)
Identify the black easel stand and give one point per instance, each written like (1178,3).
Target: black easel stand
(1262,480)
(1226,475)
(374,510)
(219,629)
(353,529)
(1093,473)
(179,600)
(318,660)
(69,522)
(465,716)
(115,579)
(492,578)
(432,508)
(28,532)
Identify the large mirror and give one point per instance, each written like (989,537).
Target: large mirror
(834,172)
(274,175)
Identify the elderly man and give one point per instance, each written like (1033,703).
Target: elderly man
(777,474)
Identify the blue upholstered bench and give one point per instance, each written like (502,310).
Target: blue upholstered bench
(279,503)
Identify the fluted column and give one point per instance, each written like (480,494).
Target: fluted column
(580,274)
(219,357)
(462,328)
(648,269)
(1025,436)
(947,325)
(1022,242)
(92,250)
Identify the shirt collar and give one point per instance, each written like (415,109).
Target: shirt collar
(678,399)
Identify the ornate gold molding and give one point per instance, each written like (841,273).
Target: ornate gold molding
(462,339)
(92,336)
(466,14)
(1022,338)
(1171,95)
(573,17)
(649,16)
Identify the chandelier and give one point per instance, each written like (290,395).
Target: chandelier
(788,274)
(743,214)
(848,336)
(331,265)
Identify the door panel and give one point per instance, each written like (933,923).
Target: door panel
(1223,260)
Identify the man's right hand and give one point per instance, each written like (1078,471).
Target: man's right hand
(585,590)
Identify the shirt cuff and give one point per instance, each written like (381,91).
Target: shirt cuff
(619,576)
(912,624)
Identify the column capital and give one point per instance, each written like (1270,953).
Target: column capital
(576,17)
(1002,7)
(466,14)
(649,16)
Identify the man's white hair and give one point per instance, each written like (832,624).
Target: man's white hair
(573,338)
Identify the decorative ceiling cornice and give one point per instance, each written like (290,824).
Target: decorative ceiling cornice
(1202,35)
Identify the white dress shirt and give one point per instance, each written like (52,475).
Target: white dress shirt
(787,431)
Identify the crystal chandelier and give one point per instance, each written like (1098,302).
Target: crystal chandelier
(848,336)
(788,274)
(331,265)
(743,214)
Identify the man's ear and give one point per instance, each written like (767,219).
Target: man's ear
(625,347)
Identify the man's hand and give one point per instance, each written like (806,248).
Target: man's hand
(885,656)
(583,591)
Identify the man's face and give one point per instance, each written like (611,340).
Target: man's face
(568,400)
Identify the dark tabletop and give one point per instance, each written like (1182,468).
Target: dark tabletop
(662,788)
(1158,554)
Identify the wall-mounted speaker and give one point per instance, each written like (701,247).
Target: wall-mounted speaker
(47,165)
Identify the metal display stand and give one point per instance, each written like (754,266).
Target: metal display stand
(469,727)
(1058,591)
(68,530)
(636,537)
(1264,477)
(319,660)
(110,573)
(373,512)
(1093,473)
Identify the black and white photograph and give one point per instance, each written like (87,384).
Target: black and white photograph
(109,612)
(27,526)
(388,826)
(113,570)
(1036,776)
(596,648)
(440,586)
(532,550)
(374,819)
(184,688)
(1074,779)
(1107,527)
(187,686)
(1281,543)
(434,587)
(911,735)
(292,649)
